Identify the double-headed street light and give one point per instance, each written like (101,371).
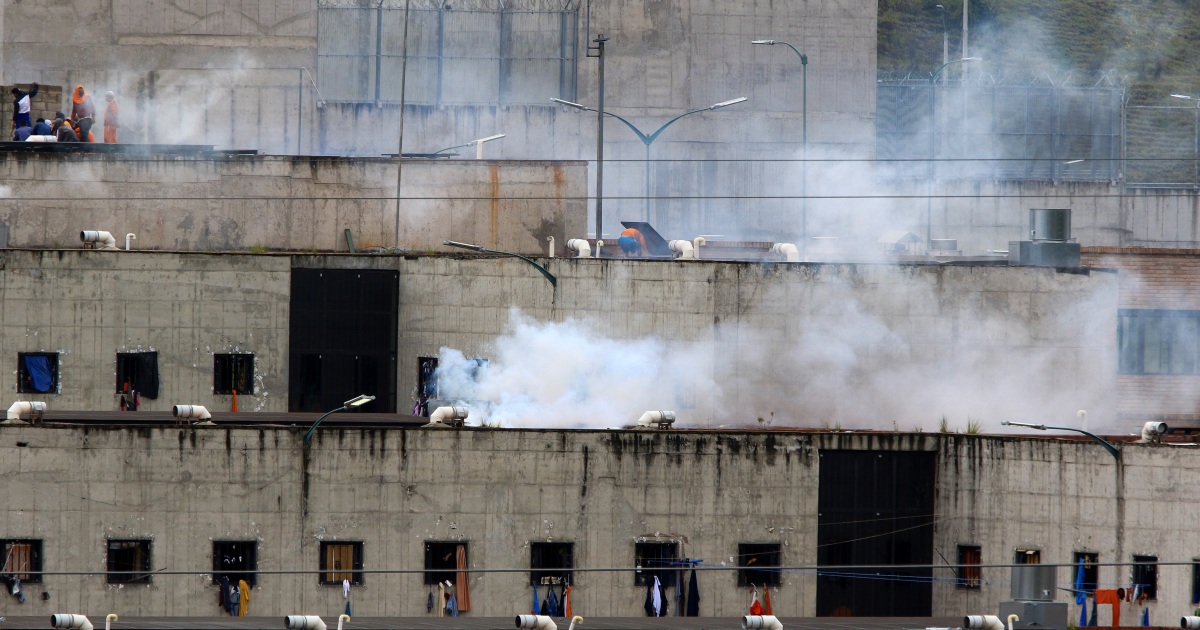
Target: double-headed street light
(648,139)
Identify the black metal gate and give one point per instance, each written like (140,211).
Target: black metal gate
(875,510)
(343,338)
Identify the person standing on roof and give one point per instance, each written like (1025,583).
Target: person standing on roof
(632,243)
(83,111)
(110,119)
(21,102)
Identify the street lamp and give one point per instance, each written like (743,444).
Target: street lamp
(479,248)
(1112,450)
(478,143)
(648,139)
(803,134)
(933,77)
(357,401)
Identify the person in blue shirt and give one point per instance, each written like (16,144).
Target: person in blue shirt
(42,128)
(21,104)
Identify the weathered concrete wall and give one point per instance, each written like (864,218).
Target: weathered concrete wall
(88,306)
(212,202)
(393,490)
(732,343)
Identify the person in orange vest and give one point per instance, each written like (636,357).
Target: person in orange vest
(632,243)
(110,119)
(83,111)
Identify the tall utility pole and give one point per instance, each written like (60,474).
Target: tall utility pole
(597,51)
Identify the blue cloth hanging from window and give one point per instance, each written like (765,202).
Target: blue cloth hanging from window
(40,377)
(552,603)
(1080,594)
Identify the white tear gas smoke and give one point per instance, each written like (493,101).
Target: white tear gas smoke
(567,375)
(880,354)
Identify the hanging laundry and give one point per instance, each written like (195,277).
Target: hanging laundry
(663,605)
(345,589)
(1095,620)
(656,599)
(552,603)
(441,600)
(243,598)
(1080,595)
(223,593)
(429,601)
(1145,617)
(1083,622)
(231,605)
(452,605)
(649,606)
(755,607)
(693,597)
(348,609)
(463,592)
(767,600)
(234,408)
(562,601)
(567,603)
(544,608)
(1109,596)
(536,605)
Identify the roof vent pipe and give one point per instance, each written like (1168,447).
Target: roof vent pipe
(303,622)
(982,622)
(537,622)
(661,419)
(100,239)
(183,413)
(761,622)
(684,249)
(550,245)
(75,622)
(342,619)
(1189,623)
(581,247)
(1151,431)
(33,409)
(448,416)
(788,250)
(129,237)
(696,243)
(108,621)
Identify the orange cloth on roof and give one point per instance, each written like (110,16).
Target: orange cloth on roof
(634,234)
(1109,596)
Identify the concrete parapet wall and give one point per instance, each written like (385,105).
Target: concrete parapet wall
(218,203)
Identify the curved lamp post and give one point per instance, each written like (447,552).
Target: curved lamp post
(933,78)
(1112,450)
(803,134)
(479,248)
(477,143)
(357,401)
(648,139)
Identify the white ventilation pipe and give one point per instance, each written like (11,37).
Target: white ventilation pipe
(1189,623)
(1152,430)
(108,621)
(342,619)
(656,417)
(982,622)
(102,240)
(25,407)
(574,620)
(581,247)
(761,622)
(537,622)
(684,249)
(788,250)
(129,237)
(696,243)
(190,412)
(75,622)
(1011,618)
(303,622)
(550,240)
(441,414)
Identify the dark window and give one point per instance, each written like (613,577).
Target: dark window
(37,372)
(137,371)
(23,560)
(1091,572)
(1145,576)
(969,559)
(1158,341)
(1027,556)
(233,373)
(341,561)
(757,558)
(129,562)
(236,560)
(443,560)
(427,388)
(1195,581)
(655,558)
(551,562)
